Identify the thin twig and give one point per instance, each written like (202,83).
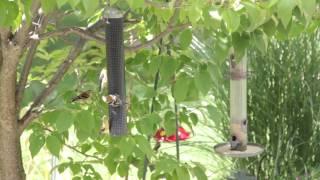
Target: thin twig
(157,38)
(74,148)
(157,4)
(177,130)
(84,154)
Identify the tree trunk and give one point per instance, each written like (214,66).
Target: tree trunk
(11,167)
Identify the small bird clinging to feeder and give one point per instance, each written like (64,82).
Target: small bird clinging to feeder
(82,96)
(113,100)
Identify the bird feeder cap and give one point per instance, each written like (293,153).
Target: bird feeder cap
(113,13)
(225,150)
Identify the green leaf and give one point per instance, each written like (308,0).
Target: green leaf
(8,12)
(69,82)
(64,121)
(256,15)
(85,121)
(269,27)
(147,124)
(60,3)
(123,169)
(232,19)
(90,6)
(54,145)
(194,118)
(126,145)
(12,13)
(281,33)
(240,43)
(181,88)
(48,5)
(194,14)
(34,88)
(169,123)
(100,148)
(36,143)
(167,69)
(62,167)
(308,7)
(112,166)
(296,29)
(153,65)
(199,173)
(135,4)
(284,10)
(73,3)
(185,38)
(144,145)
(182,173)
(110,160)
(75,168)
(260,41)
(26,7)
(203,81)
(271,3)
(166,165)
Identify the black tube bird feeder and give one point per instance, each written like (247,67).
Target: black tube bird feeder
(116,73)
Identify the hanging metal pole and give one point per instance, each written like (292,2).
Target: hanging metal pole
(116,72)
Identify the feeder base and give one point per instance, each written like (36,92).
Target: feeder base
(225,149)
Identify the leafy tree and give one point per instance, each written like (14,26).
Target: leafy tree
(50,50)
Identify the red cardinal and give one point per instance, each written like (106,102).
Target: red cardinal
(81,96)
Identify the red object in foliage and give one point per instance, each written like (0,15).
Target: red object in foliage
(161,136)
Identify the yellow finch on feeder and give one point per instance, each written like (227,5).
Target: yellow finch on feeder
(113,100)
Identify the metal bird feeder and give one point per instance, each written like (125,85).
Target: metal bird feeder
(238,145)
(116,72)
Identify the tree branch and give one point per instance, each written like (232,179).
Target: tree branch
(76,30)
(28,63)
(176,12)
(22,34)
(33,112)
(90,36)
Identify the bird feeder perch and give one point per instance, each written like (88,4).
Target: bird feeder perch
(116,72)
(238,145)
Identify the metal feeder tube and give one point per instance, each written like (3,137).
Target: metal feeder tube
(238,145)
(116,71)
